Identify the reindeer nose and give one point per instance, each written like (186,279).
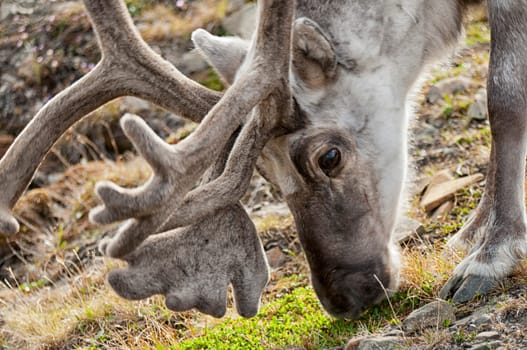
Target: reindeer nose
(342,304)
(346,294)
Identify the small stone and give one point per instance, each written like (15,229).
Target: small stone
(447,86)
(479,317)
(436,195)
(482,320)
(454,85)
(442,211)
(375,343)
(276,258)
(485,336)
(444,175)
(478,109)
(435,314)
(406,228)
(27,68)
(487,345)
(191,62)
(433,95)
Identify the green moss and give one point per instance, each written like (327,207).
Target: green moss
(478,33)
(298,319)
(294,319)
(135,7)
(212,81)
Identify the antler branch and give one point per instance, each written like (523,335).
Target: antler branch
(127,67)
(193,266)
(162,202)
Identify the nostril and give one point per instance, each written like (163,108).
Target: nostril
(347,294)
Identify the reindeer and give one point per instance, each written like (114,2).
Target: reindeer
(318,103)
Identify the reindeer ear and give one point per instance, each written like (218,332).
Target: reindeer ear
(225,54)
(314,58)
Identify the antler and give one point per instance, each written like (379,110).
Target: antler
(162,203)
(193,266)
(127,67)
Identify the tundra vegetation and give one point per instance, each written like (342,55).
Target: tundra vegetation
(53,293)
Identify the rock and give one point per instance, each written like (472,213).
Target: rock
(487,345)
(134,105)
(482,320)
(191,62)
(433,95)
(486,336)
(375,343)
(479,317)
(440,177)
(8,79)
(406,228)
(18,7)
(454,85)
(436,314)
(478,109)
(276,257)
(269,208)
(442,211)
(242,22)
(436,195)
(447,86)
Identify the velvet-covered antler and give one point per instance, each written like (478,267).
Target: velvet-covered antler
(163,202)
(128,67)
(193,266)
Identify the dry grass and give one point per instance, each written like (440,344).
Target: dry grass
(161,22)
(84,312)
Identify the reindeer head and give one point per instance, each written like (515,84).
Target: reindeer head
(325,172)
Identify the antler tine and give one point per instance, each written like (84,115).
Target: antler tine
(264,73)
(127,67)
(267,122)
(142,72)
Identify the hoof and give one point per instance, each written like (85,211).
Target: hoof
(463,289)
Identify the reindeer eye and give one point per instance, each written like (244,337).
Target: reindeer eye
(329,161)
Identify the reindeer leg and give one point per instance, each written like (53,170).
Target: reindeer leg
(471,234)
(503,242)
